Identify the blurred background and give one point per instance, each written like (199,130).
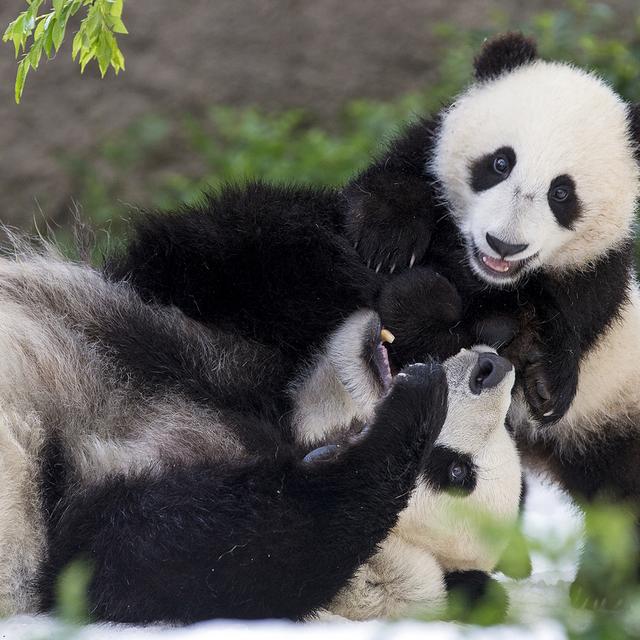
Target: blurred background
(283,89)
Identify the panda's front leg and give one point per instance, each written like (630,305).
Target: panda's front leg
(392,207)
(398,580)
(546,355)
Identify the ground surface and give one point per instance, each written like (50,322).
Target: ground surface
(549,516)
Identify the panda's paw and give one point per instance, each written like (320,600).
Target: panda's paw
(549,389)
(537,389)
(322,454)
(390,230)
(424,311)
(474,595)
(416,405)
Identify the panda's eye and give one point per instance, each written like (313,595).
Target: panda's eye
(458,472)
(560,194)
(501,165)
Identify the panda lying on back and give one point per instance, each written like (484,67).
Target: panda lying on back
(206,475)
(515,208)
(473,470)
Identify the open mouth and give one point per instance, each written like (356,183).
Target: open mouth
(380,357)
(498,268)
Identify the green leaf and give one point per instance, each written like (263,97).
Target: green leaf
(116,8)
(58,5)
(103,53)
(21,76)
(77,44)
(85,58)
(117,26)
(58,33)
(48,43)
(39,30)
(72,604)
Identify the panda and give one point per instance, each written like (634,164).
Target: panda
(200,475)
(509,218)
(161,453)
(472,471)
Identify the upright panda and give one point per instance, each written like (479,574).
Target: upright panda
(514,208)
(202,474)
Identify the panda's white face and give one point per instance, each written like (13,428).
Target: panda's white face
(538,168)
(473,472)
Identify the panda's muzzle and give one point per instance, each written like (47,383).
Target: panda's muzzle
(489,372)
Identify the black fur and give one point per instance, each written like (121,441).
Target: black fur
(634,127)
(484,173)
(438,467)
(469,588)
(503,54)
(567,211)
(606,470)
(471,584)
(390,231)
(253,259)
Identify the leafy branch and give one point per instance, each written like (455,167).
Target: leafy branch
(34,34)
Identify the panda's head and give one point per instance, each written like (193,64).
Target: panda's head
(473,475)
(536,160)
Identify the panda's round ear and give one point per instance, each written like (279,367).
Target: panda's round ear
(502,54)
(634,125)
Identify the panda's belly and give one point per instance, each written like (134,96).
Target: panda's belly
(608,384)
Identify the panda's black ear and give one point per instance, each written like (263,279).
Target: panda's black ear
(504,53)
(634,126)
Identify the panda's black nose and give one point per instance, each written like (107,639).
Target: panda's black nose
(502,248)
(489,372)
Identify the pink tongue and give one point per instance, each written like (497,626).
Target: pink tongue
(495,264)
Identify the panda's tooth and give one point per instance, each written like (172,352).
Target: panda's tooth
(412,261)
(393,268)
(378,267)
(387,336)
(549,413)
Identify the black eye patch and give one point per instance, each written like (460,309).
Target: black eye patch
(492,169)
(449,470)
(563,200)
